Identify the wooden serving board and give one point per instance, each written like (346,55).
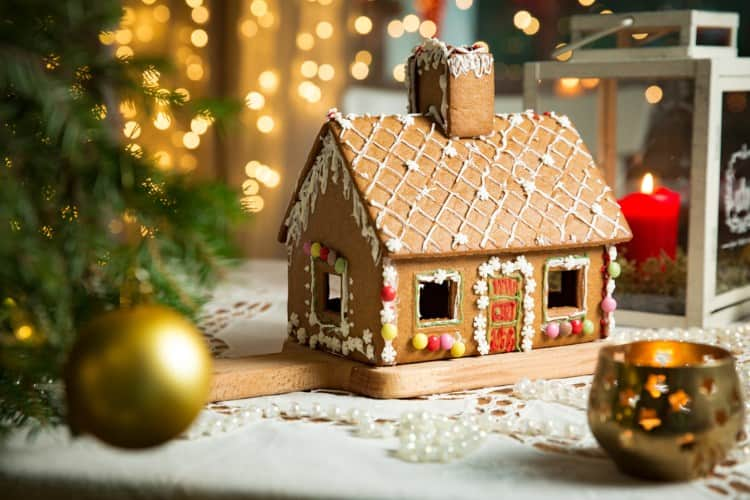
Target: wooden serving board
(299,368)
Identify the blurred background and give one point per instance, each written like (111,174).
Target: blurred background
(289,61)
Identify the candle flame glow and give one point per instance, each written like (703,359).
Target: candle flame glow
(647,184)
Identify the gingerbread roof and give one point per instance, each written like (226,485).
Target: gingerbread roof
(529,184)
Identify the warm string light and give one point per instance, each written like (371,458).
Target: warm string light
(140,27)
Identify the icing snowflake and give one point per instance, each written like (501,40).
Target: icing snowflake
(412,166)
(440,276)
(389,353)
(480,322)
(483,194)
(483,302)
(485,270)
(480,287)
(460,239)
(394,245)
(406,120)
(596,209)
(450,151)
(563,120)
(302,336)
(527,185)
(424,192)
(390,275)
(387,315)
(367,335)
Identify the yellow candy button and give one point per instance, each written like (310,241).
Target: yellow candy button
(419,341)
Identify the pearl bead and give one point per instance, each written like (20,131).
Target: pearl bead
(272,411)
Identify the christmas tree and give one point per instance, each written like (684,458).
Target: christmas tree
(87,222)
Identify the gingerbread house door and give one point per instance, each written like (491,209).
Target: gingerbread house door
(504,313)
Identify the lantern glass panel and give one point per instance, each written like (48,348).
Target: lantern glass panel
(733,243)
(636,127)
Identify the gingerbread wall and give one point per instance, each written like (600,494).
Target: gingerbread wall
(332,225)
(467,267)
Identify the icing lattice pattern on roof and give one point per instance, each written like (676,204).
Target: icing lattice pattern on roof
(530,183)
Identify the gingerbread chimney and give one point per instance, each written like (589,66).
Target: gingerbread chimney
(454,85)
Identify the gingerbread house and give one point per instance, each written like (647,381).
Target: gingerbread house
(450,231)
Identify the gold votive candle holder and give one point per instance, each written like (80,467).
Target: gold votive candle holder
(666,410)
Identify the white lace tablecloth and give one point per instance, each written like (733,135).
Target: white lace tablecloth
(283,457)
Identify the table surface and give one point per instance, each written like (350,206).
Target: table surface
(302,458)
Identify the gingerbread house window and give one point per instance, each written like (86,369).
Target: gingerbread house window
(329,294)
(565,287)
(333,293)
(438,298)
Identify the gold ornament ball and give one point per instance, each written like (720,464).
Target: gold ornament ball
(137,377)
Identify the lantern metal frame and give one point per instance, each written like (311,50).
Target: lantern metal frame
(714,70)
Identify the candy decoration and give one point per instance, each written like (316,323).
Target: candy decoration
(446,341)
(306,247)
(614,269)
(576,326)
(588,327)
(331,257)
(609,304)
(315,249)
(389,331)
(419,341)
(340,265)
(433,343)
(324,253)
(565,328)
(388,293)
(458,349)
(552,330)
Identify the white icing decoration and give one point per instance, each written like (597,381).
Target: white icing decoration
(406,120)
(483,194)
(609,289)
(327,165)
(394,245)
(460,239)
(493,267)
(389,310)
(293,322)
(596,209)
(412,165)
(450,150)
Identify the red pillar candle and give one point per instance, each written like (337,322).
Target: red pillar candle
(652,216)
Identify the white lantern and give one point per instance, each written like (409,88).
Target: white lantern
(663,96)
